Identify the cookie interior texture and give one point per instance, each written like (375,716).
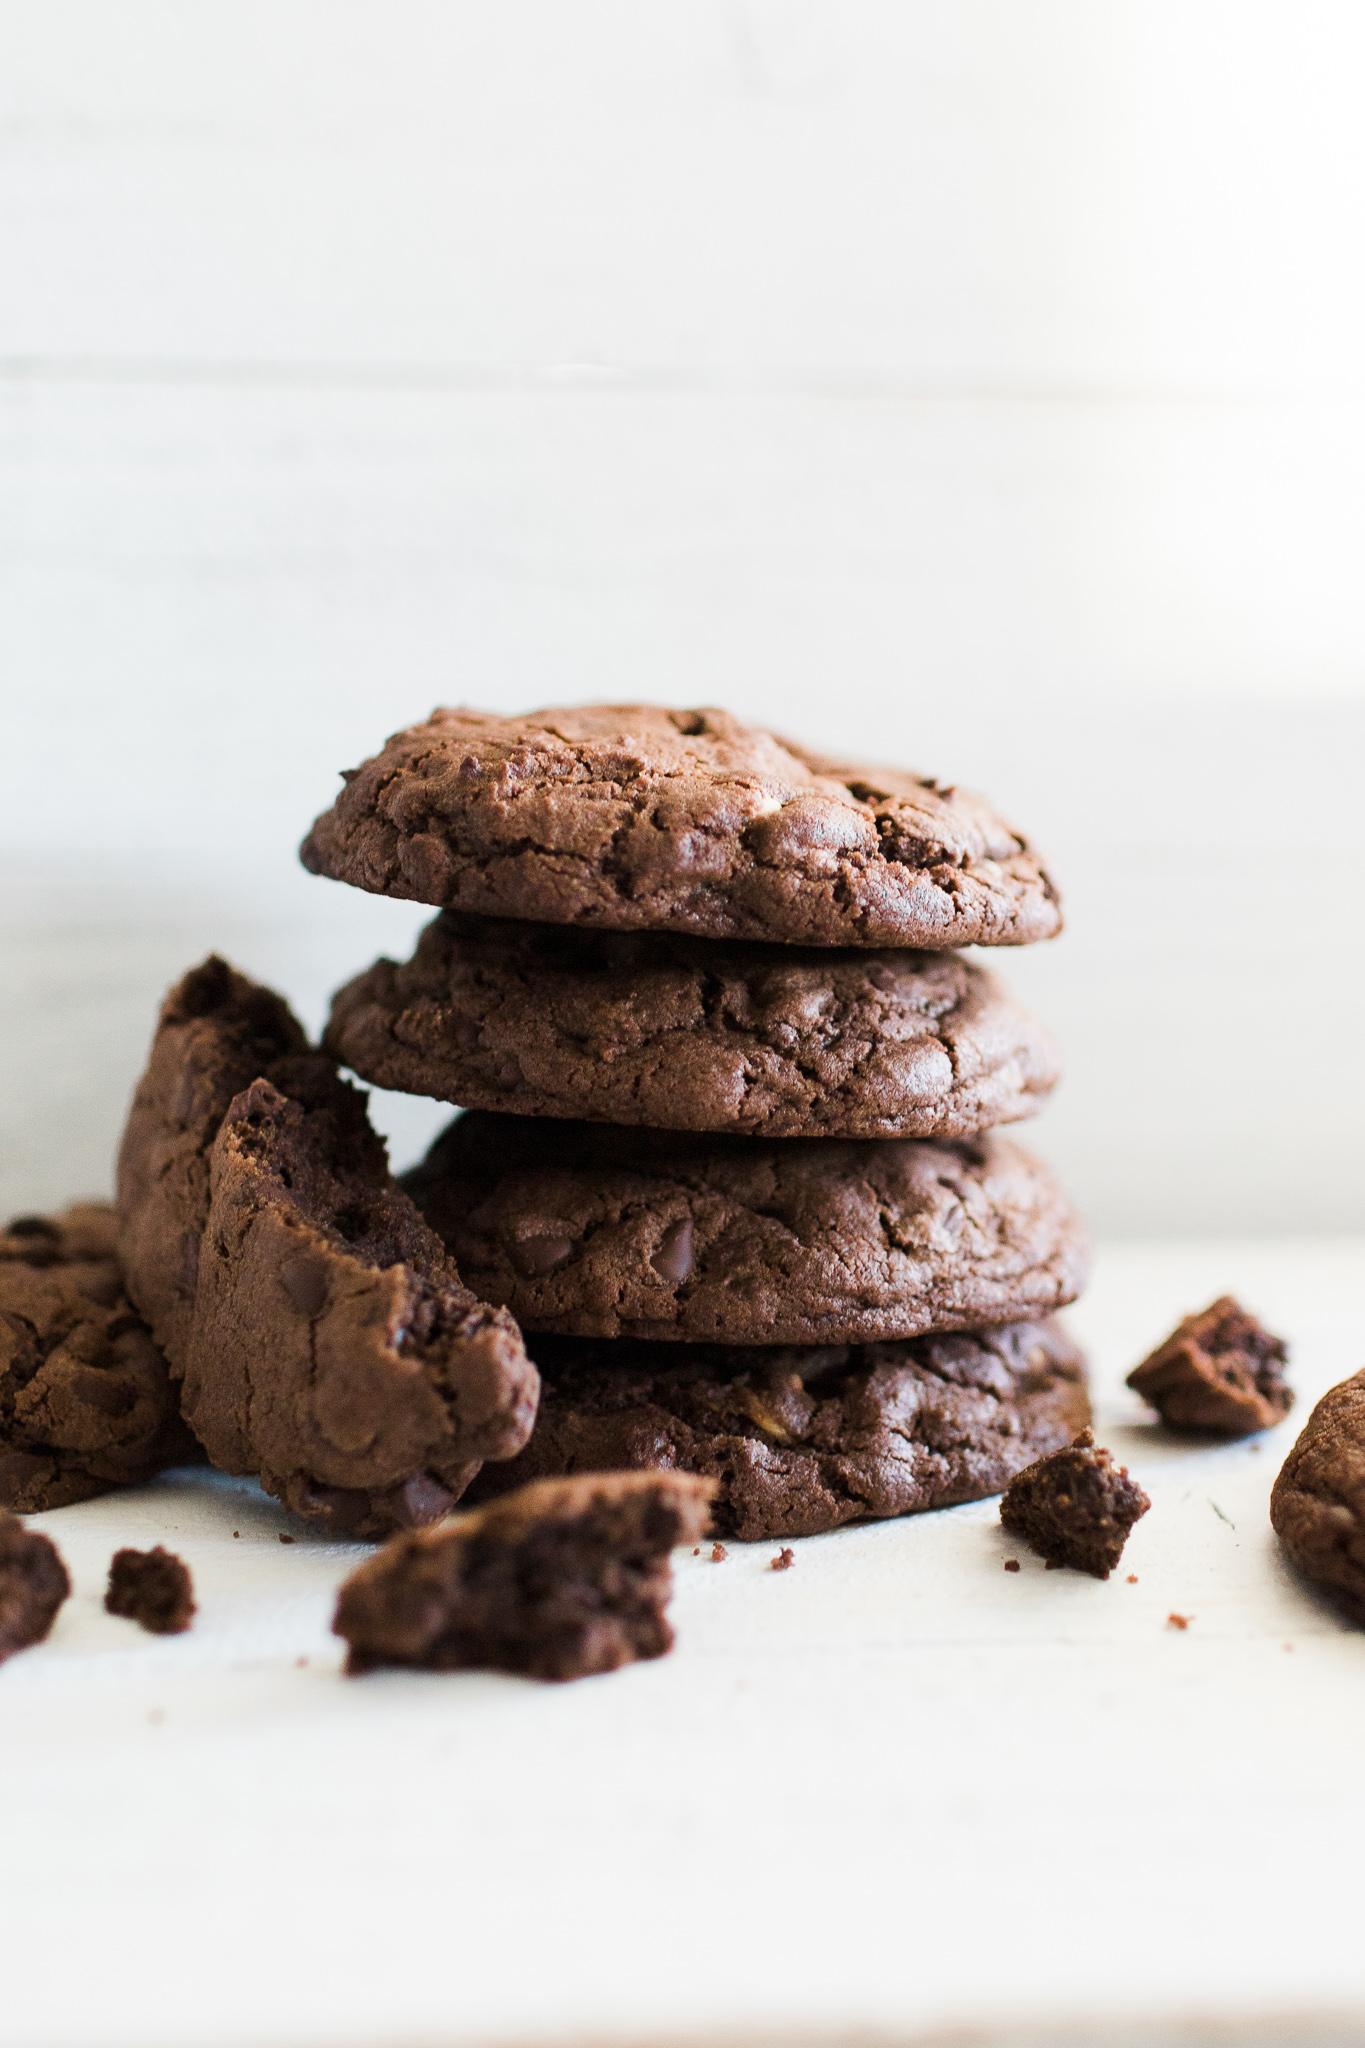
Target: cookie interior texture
(1217,1371)
(1075,1507)
(86,1400)
(596,1231)
(558,1580)
(695,1034)
(324,1337)
(640,817)
(800,1440)
(1317,1506)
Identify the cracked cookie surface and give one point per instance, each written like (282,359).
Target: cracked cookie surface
(801,1440)
(596,1231)
(639,817)
(324,1336)
(1317,1507)
(86,1401)
(694,1034)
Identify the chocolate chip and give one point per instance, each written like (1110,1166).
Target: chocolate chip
(32,1226)
(188,1279)
(426,1499)
(535,1256)
(673,1260)
(305,1282)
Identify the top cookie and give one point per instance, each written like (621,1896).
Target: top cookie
(637,817)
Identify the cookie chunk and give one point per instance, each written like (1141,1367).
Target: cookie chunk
(558,1580)
(594,1231)
(1075,1507)
(636,817)
(33,1585)
(695,1034)
(1317,1507)
(1217,1371)
(86,1401)
(325,1339)
(802,1440)
(152,1588)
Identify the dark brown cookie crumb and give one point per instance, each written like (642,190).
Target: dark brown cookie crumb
(152,1588)
(287,1539)
(562,1579)
(33,1585)
(784,1561)
(1317,1507)
(1218,1370)
(1075,1507)
(1011,1564)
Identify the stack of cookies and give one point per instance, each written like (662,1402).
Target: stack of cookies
(730,1089)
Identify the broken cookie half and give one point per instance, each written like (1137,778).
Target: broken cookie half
(564,1578)
(1218,1371)
(322,1333)
(86,1401)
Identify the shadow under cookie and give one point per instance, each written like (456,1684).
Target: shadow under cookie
(695,1034)
(803,1440)
(594,1231)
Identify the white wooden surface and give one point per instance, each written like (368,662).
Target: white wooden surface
(893,1795)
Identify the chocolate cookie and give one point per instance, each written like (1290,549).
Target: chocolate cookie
(1317,1507)
(637,817)
(33,1585)
(86,1402)
(325,1338)
(1075,1507)
(595,1231)
(695,1034)
(558,1580)
(1219,1371)
(802,1440)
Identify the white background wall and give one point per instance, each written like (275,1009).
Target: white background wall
(975,383)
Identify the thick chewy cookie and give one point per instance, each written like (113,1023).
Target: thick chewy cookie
(799,1440)
(1318,1503)
(596,1231)
(324,1336)
(86,1402)
(558,1580)
(695,1034)
(630,815)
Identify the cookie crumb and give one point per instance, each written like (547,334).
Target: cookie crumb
(236,1532)
(1011,1564)
(718,1553)
(697,1551)
(152,1588)
(300,1662)
(1218,1371)
(1074,1507)
(784,1561)
(1132,1578)
(559,1580)
(287,1539)
(1179,1620)
(33,1585)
